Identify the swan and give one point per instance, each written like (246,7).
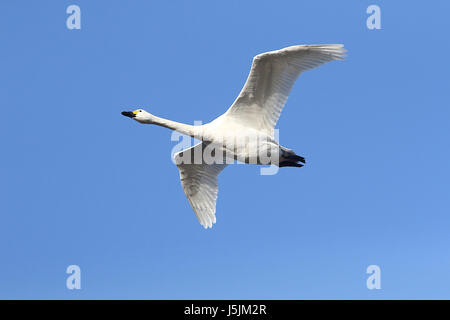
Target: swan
(245,131)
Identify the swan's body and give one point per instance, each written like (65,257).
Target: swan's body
(246,131)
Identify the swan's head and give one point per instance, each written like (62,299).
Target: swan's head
(139,115)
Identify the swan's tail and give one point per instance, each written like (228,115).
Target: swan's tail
(288,158)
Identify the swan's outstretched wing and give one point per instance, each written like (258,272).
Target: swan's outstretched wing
(199,183)
(271,78)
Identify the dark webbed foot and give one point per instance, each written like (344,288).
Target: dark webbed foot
(290,164)
(295,158)
(301,159)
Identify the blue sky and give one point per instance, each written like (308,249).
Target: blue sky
(80,184)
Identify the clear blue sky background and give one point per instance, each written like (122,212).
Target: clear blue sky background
(80,184)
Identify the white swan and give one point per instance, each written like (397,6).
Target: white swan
(253,114)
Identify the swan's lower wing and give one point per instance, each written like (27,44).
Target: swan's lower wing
(199,182)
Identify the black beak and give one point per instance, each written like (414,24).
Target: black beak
(128,114)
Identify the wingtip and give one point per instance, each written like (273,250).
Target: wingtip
(208,224)
(336,51)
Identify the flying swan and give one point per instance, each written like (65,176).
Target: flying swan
(245,132)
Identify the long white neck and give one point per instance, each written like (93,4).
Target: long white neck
(193,131)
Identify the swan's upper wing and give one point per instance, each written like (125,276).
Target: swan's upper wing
(271,78)
(199,183)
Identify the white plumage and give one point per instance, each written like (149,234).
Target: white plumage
(255,112)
